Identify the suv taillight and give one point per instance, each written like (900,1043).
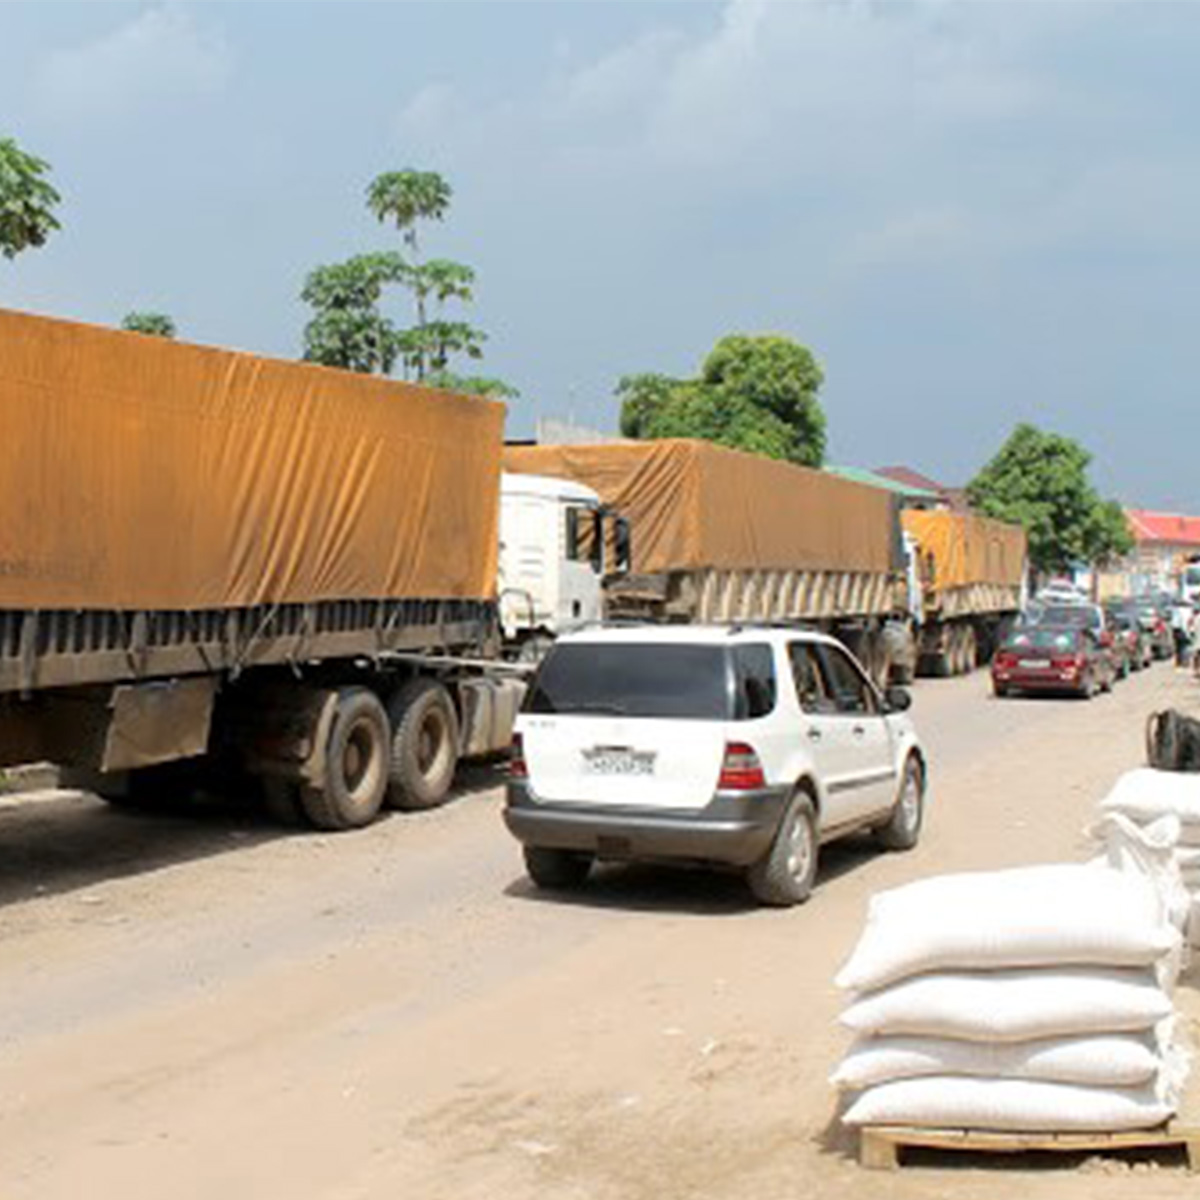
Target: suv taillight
(517,768)
(740,769)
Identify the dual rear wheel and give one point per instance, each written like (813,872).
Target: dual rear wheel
(404,755)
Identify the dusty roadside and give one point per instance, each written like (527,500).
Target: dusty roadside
(225,1011)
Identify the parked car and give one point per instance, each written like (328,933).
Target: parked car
(741,747)
(1094,619)
(1128,630)
(1053,658)
(1155,619)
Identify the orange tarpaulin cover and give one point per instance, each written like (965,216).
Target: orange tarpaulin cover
(137,472)
(968,549)
(694,505)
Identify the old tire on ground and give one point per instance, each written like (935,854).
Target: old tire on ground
(903,828)
(785,874)
(556,869)
(424,750)
(351,793)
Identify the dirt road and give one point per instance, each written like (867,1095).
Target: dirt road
(208,1008)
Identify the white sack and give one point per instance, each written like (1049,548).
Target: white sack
(1012,1006)
(1152,851)
(1009,1104)
(1146,794)
(1027,917)
(1106,1060)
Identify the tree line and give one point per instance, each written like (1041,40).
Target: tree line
(758,393)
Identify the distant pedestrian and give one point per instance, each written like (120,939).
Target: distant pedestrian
(1181,629)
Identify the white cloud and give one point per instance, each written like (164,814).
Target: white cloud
(160,55)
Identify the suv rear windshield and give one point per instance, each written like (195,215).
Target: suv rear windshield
(666,680)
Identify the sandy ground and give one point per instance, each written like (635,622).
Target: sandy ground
(204,1007)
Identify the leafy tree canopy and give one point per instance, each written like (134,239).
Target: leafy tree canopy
(155,324)
(473,385)
(756,393)
(349,328)
(27,201)
(1040,480)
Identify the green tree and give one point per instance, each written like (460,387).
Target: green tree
(472,385)
(756,393)
(406,199)
(155,324)
(1040,480)
(27,201)
(347,329)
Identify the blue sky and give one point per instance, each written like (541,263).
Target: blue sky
(974,213)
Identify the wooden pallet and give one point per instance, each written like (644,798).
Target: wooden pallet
(880,1145)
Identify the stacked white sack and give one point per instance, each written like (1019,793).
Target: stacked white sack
(1146,796)
(1033,1000)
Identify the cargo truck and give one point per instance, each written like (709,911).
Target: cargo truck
(967,578)
(266,569)
(724,536)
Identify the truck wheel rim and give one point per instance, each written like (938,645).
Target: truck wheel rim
(356,757)
(431,742)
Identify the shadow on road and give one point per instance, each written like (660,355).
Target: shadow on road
(694,891)
(56,841)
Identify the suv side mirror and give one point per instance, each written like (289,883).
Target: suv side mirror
(897,699)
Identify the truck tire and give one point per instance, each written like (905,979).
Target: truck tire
(356,756)
(556,870)
(970,649)
(424,750)
(903,827)
(785,875)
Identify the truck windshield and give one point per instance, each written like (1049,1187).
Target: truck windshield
(634,679)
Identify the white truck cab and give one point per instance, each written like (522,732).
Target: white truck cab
(553,540)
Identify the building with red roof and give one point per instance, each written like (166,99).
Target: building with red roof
(1163,543)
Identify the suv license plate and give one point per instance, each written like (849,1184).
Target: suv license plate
(618,762)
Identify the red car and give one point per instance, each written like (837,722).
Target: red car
(1053,658)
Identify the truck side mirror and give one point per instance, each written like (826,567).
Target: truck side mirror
(597,547)
(622,547)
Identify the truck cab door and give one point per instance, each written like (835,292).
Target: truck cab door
(582,567)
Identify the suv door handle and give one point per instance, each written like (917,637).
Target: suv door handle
(814,734)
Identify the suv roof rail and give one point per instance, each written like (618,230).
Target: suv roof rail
(732,627)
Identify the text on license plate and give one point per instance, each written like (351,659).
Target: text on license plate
(608,760)
(1033,664)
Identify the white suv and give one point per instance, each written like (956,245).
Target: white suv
(741,746)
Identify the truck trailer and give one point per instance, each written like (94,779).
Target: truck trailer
(262,568)
(967,579)
(723,536)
